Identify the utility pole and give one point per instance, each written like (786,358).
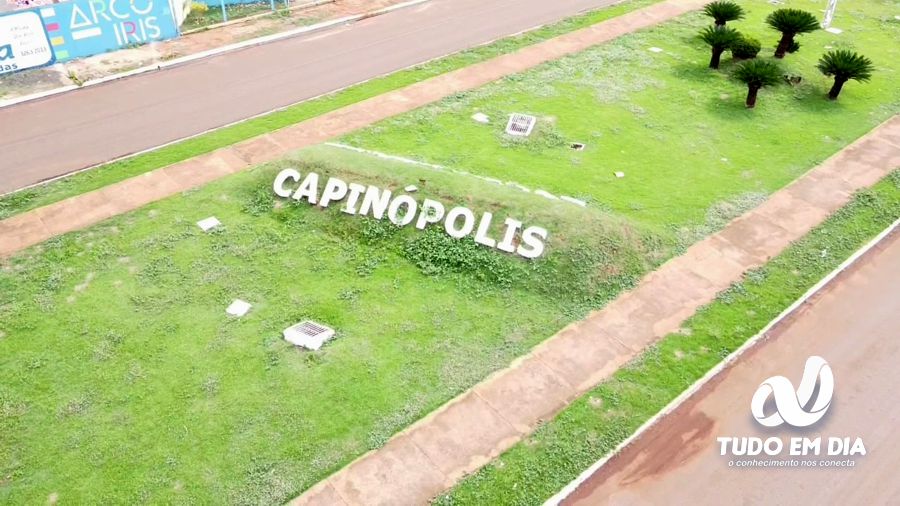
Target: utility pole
(829,13)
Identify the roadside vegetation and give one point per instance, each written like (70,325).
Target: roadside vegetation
(593,425)
(124,381)
(107,174)
(202,15)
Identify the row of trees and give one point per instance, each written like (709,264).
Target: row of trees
(843,65)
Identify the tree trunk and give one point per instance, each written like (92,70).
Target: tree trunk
(720,24)
(751,96)
(786,40)
(836,89)
(716,57)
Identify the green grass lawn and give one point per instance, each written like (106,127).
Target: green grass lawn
(123,380)
(99,177)
(593,425)
(678,130)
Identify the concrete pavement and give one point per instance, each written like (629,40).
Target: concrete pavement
(54,136)
(854,325)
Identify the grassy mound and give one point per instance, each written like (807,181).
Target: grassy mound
(123,380)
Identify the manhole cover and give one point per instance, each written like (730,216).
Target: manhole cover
(520,125)
(309,334)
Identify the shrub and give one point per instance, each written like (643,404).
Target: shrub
(436,253)
(199,9)
(374,231)
(745,48)
(260,201)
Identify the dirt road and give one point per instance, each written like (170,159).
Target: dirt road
(855,326)
(53,136)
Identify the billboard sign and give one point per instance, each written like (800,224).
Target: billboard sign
(82,28)
(24,43)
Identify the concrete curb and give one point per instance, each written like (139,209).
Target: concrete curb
(214,52)
(721,366)
(441,168)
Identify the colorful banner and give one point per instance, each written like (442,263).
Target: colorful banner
(81,28)
(24,43)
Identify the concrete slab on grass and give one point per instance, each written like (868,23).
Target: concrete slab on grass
(401,474)
(525,392)
(450,443)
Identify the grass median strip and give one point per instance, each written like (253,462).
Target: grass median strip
(596,423)
(678,132)
(128,383)
(99,177)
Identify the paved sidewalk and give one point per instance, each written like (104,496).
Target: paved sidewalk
(78,212)
(466,433)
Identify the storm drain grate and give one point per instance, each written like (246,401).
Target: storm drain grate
(520,124)
(308,334)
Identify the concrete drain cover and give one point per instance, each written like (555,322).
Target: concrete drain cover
(309,334)
(238,308)
(208,224)
(520,125)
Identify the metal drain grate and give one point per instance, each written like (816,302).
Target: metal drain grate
(308,334)
(520,125)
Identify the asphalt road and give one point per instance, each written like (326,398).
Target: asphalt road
(855,326)
(50,137)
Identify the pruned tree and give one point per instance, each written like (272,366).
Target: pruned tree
(757,74)
(719,39)
(723,11)
(844,65)
(790,22)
